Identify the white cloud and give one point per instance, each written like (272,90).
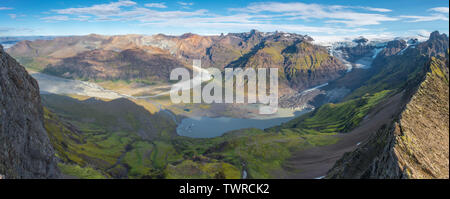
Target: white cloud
(330,39)
(98,10)
(145,15)
(156,5)
(377,9)
(438,13)
(6,8)
(224,24)
(440,9)
(334,13)
(13,16)
(433,17)
(13,29)
(82,18)
(124,10)
(353,19)
(66,18)
(56,18)
(268,16)
(5,29)
(421,32)
(185,5)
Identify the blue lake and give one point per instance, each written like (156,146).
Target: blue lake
(207,127)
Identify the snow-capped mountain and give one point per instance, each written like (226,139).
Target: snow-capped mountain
(360,51)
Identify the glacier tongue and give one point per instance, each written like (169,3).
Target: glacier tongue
(336,43)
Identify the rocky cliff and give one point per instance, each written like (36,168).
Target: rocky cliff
(25,150)
(300,63)
(416,143)
(353,53)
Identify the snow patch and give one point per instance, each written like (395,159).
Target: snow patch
(320,177)
(376,51)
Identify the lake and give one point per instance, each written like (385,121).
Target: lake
(208,127)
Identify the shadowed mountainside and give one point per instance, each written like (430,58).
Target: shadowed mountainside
(25,150)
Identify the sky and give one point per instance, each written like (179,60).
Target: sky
(211,17)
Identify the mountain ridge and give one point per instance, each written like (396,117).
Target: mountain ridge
(415,143)
(301,63)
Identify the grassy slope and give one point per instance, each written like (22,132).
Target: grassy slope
(392,72)
(93,149)
(336,118)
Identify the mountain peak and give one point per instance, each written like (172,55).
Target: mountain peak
(360,40)
(434,35)
(253,31)
(188,35)
(437,36)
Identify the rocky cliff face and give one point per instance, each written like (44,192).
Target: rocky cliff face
(416,143)
(300,63)
(25,150)
(393,47)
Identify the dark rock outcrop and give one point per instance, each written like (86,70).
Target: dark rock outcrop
(361,40)
(393,47)
(357,52)
(25,150)
(437,44)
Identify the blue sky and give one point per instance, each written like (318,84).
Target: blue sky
(317,18)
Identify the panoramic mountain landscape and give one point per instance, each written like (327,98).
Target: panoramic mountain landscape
(99,106)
